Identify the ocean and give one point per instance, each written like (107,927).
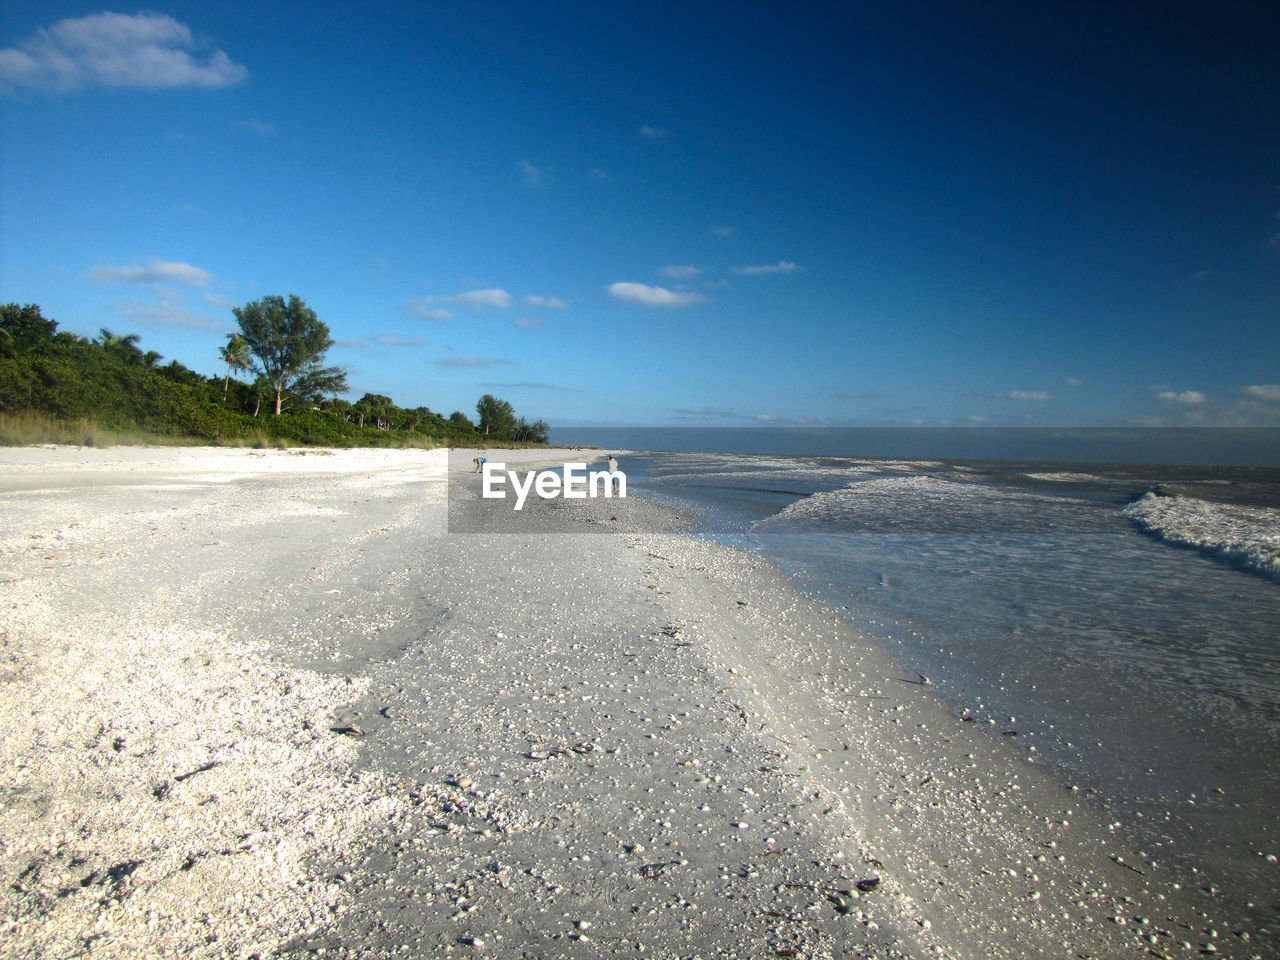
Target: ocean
(1102,612)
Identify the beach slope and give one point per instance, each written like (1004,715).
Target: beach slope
(268,703)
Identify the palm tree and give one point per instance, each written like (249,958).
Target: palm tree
(150,359)
(236,356)
(260,386)
(124,346)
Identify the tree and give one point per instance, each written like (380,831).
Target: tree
(25,326)
(289,343)
(527,432)
(236,356)
(375,406)
(496,416)
(125,345)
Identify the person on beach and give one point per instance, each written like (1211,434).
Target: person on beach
(480,462)
(613,470)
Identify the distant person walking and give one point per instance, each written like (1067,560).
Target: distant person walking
(613,470)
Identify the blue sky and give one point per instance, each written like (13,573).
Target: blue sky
(689,214)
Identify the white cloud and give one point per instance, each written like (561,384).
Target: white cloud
(529,323)
(1028,395)
(553,303)
(653,296)
(156,271)
(423,309)
(1074,382)
(142,51)
(782,266)
(726,232)
(261,127)
(650,132)
(533,175)
(1264,391)
(706,413)
(470,361)
(483,298)
(395,340)
(165,315)
(1186,396)
(677,272)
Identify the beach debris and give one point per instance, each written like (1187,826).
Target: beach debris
(651,871)
(191,773)
(921,679)
(586,746)
(868,886)
(1128,866)
(778,915)
(348,730)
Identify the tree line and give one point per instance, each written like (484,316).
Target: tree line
(275,385)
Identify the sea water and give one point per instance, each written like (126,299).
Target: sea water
(1118,624)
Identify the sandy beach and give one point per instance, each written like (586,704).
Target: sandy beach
(272,703)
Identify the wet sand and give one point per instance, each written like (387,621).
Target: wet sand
(266,702)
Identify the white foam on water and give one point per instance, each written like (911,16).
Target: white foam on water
(1243,535)
(909,501)
(1065,477)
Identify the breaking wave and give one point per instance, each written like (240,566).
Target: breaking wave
(1245,536)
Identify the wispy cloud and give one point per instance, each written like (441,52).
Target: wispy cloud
(470,362)
(854,395)
(1074,382)
(653,296)
(782,266)
(650,132)
(261,127)
(530,385)
(383,340)
(528,323)
(534,176)
(142,51)
(482,298)
(165,314)
(706,413)
(551,303)
(424,309)
(678,272)
(726,233)
(427,308)
(1186,396)
(1028,395)
(396,340)
(1270,392)
(156,271)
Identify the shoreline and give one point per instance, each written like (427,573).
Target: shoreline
(637,744)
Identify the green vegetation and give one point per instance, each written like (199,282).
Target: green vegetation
(61,388)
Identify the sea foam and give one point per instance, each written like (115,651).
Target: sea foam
(1246,536)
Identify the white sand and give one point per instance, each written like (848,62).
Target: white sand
(557,744)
